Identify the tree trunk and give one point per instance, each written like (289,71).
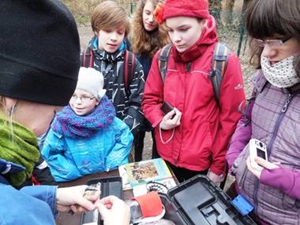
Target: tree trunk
(229,4)
(215,7)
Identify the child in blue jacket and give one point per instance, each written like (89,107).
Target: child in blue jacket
(86,137)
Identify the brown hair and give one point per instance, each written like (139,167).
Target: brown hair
(264,19)
(144,42)
(109,14)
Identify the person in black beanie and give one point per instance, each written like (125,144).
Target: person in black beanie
(39,55)
(39,64)
(37,52)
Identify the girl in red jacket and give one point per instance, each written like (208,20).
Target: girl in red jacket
(193,137)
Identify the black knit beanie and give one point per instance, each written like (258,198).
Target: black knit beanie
(39,51)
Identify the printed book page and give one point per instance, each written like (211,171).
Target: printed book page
(139,173)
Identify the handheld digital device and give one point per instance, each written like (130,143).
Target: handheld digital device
(166,108)
(257,149)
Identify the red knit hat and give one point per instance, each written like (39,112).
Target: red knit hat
(191,8)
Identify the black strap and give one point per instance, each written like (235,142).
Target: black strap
(163,61)
(219,63)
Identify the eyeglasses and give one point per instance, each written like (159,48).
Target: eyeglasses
(271,42)
(83,99)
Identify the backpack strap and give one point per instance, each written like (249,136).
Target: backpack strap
(128,68)
(87,58)
(219,63)
(163,60)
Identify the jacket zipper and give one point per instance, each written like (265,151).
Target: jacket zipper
(187,69)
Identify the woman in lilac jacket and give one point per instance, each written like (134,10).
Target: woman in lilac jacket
(272,115)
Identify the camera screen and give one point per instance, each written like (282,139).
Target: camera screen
(261,153)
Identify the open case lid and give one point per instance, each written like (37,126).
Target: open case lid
(199,201)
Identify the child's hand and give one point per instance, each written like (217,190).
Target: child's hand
(171,120)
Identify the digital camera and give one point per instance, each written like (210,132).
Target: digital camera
(257,149)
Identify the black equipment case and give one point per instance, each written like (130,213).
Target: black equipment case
(198,201)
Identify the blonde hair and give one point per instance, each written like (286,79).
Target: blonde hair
(8,120)
(144,42)
(2,105)
(109,14)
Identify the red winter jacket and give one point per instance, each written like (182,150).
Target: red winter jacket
(200,142)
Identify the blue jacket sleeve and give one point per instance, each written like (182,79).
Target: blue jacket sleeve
(44,193)
(32,205)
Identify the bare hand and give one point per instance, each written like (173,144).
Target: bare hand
(114,211)
(171,120)
(70,198)
(263,163)
(217,179)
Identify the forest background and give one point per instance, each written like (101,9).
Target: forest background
(229,15)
